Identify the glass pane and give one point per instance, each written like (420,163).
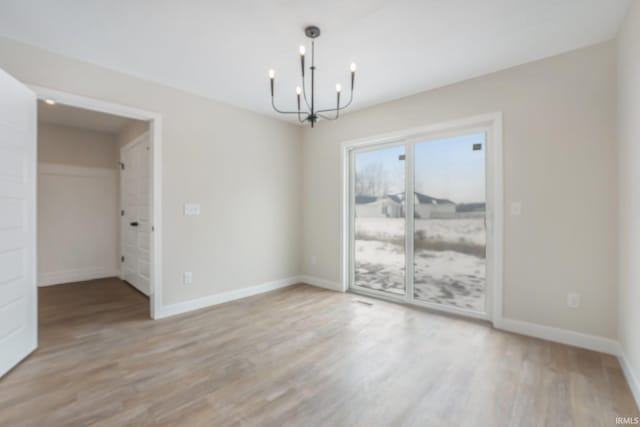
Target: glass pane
(379,247)
(449,211)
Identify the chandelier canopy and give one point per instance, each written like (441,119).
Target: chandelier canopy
(310,113)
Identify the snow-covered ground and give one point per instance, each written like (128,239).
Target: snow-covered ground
(469,230)
(449,259)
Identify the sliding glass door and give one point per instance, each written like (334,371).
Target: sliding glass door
(379,224)
(449,222)
(428,249)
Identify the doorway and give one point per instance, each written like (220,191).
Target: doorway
(423,218)
(78,186)
(18,222)
(145,182)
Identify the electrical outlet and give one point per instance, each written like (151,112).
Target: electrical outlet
(314,260)
(191,209)
(187,278)
(516,209)
(573,300)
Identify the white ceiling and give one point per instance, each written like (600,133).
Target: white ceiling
(79,118)
(223,49)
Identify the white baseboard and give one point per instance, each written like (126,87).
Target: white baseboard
(75,275)
(632,379)
(563,336)
(210,300)
(321,283)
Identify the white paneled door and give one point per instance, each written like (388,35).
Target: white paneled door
(136,225)
(18,293)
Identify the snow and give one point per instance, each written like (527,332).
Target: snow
(449,264)
(453,230)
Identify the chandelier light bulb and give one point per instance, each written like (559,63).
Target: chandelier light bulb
(272,74)
(353,67)
(338,88)
(302,50)
(298,90)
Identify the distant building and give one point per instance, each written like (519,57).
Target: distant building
(392,206)
(429,207)
(379,207)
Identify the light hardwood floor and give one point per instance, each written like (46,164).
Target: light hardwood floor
(300,356)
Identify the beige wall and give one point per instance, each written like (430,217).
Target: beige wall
(243,168)
(77,204)
(73,146)
(629,189)
(559,161)
(131,131)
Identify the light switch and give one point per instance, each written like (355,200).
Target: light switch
(573,300)
(187,278)
(191,209)
(516,208)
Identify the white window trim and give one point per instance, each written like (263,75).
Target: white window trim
(491,124)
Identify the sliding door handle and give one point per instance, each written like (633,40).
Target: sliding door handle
(133,224)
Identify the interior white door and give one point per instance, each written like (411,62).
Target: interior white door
(136,224)
(18,292)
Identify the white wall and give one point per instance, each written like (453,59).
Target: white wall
(77,204)
(243,168)
(560,162)
(629,191)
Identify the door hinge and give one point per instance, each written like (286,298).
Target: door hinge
(121,166)
(122,258)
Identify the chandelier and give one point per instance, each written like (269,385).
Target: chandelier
(310,113)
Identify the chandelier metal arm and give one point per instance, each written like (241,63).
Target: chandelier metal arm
(313,75)
(342,107)
(285,112)
(304,83)
(327,117)
(304,93)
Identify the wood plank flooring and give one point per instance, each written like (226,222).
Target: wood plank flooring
(300,356)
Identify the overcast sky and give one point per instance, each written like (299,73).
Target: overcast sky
(445,168)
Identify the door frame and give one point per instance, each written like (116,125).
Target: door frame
(155,131)
(491,125)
